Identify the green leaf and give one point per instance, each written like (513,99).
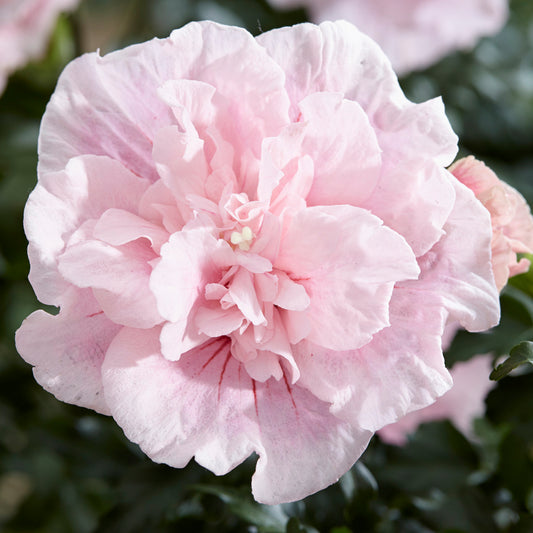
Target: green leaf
(520,355)
(437,455)
(271,519)
(516,325)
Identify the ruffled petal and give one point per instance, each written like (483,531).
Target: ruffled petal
(119,277)
(207,406)
(181,163)
(298,433)
(186,267)
(125,84)
(67,350)
(333,57)
(461,404)
(348,263)
(414,201)
(343,147)
(118,227)
(61,202)
(458,268)
(400,370)
(336,57)
(175,410)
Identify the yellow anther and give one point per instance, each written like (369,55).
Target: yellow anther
(243,238)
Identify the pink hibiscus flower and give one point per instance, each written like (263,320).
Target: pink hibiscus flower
(25,27)
(255,247)
(512,223)
(413,33)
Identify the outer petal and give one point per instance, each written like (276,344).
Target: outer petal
(171,408)
(348,263)
(332,57)
(206,405)
(67,350)
(125,84)
(415,201)
(401,369)
(298,433)
(462,403)
(335,57)
(61,202)
(458,268)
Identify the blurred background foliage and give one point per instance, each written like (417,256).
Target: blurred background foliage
(65,469)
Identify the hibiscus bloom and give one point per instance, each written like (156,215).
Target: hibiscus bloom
(25,27)
(512,223)
(413,33)
(254,246)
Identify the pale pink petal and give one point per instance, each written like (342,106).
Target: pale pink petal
(291,419)
(61,202)
(242,292)
(181,336)
(291,295)
(332,57)
(265,366)
(191,103)
(276,153)
(215,322)
(186,267)
(459,272)
(297,325)
(119,277)
(415,201)
(336,57)
(181,163)
(348,263)
(118,227)
(401,369)
(273,348)
(67,350)
(206,406)
(415,129)
(158,206)
(347,164)
(171,409)
(252,262)
(461,404)
(125,84)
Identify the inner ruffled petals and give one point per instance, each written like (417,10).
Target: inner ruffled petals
(244,306)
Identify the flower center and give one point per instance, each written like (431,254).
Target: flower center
(243,238)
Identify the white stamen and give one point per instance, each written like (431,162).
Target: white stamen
(243,238)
